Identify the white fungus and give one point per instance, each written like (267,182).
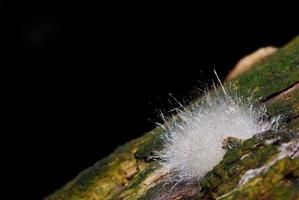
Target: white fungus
(194,138)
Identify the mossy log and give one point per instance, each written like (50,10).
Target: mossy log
(128,173)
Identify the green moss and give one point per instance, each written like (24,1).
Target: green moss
(133,190)
(142,176)
(107,178)
(154,142)
(287,105)
(274,184)
(109,171)
(271,76)
(252,154)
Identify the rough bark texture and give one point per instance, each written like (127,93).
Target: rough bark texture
(251,170)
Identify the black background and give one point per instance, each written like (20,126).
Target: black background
(86,77)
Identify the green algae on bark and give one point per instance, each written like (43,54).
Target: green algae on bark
(254,153)
(275,74)
(286,103)
(128,173)
(107,177)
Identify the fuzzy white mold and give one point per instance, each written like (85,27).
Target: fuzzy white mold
(194,137)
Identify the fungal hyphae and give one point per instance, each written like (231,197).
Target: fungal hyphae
(194,137)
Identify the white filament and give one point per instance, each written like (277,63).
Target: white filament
(194,138)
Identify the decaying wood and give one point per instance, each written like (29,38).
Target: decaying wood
(250,60)
(130,174)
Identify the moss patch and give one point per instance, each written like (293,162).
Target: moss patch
(253,154)
(125,173)
(275,74)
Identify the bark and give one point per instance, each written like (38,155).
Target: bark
(129,173)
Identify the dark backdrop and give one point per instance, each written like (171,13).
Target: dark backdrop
(86,77)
